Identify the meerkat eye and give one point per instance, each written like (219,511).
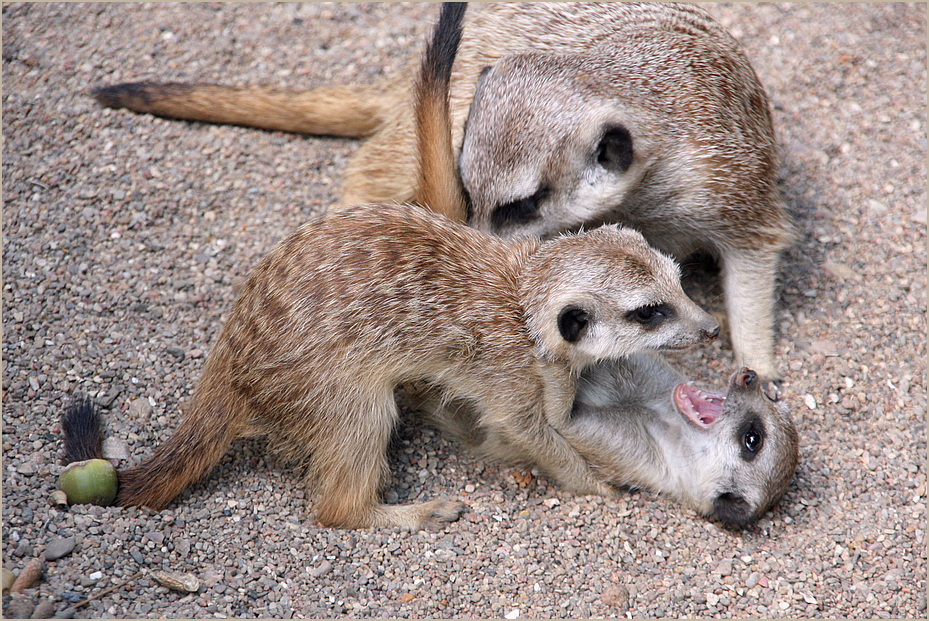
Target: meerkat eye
(752,439)
(651,316)
(572,323)
(520,211)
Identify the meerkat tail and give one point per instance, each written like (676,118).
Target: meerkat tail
(82,431)
(349,111)
(195,447)
(439,187)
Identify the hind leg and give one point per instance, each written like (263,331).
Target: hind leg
(349,470)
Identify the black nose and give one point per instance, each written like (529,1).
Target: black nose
(732,509)
(746,378)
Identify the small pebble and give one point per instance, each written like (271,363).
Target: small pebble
(724,568)
(177,581)
(23,548)
(115,448)
(45,609)
(27,468)
(140,409)
(20,607)
(616,595)
(71,597)
(58,498)
(321,570)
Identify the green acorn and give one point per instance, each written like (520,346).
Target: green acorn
(92,481)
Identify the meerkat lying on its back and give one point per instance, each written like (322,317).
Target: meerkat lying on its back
(568,115)
(362,300)
(728,456)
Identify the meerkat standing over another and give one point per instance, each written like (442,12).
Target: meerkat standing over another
(360,301)
(568,115)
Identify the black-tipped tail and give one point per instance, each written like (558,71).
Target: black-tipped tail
(82,431)
(439,187)
(441,52)
(142,96)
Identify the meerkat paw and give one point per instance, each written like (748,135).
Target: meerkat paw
(590,487)
(772,388)
(442,512)
(427,515)
(602,489)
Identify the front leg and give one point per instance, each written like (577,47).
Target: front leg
(526,436)
(749,282)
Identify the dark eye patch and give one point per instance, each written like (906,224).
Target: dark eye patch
(750,436)
(651,316)
(520,211)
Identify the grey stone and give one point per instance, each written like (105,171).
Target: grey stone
(59,548)
(20,607)
(321,570)
(115,448)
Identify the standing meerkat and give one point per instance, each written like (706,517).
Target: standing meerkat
(728,456)
(568,115)
(362,300)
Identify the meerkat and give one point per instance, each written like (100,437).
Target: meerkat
(728,456)
(362,300)
(568,115)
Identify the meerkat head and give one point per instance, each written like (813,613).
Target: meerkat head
(568,153)
(605,294)
(730,456)
(743,448)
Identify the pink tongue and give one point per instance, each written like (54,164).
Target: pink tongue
(700,407)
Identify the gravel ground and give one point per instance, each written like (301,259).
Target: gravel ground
(126,236)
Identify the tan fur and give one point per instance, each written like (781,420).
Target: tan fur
(626,424)
(703,175)
(351,306)
(360,301)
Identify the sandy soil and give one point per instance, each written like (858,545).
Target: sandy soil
(125,236)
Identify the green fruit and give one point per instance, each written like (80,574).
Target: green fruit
(93,481)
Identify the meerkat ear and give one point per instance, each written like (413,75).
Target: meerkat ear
(572,323)
(615,149)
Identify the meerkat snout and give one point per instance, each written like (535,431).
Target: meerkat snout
(746,378)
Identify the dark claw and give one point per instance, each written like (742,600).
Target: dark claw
(772,390)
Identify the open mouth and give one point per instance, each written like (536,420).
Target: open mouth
(698,406)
